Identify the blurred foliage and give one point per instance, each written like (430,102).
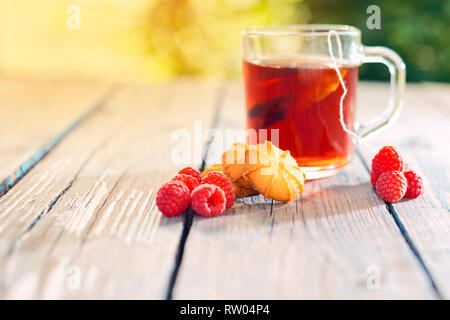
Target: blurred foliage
(416,30)
(36,42)
(162,39)
(198,37)
(203,37)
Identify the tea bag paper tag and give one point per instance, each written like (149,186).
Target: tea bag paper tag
(344,87)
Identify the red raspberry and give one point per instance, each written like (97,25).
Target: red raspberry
(189,181)
(220,180)
(192,172)
(415,184)
(208,200)
(173,198)
(391,186)
(387,159)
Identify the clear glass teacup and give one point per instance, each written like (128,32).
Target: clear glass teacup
(300,85)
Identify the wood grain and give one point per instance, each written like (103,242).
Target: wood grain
(34,117)
(329,244)
(421,134)
(83,223)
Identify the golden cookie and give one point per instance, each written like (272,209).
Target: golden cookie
(273,172)
(242,191)
(234,165)
(217,167)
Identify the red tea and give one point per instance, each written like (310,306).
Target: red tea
(301,98)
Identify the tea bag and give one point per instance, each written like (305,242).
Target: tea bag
(344,87)
(341,80)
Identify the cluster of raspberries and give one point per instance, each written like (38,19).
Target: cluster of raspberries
(392,178)
(208,195)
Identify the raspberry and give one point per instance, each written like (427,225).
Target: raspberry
(387,159)
(391,186)
(189,181)
(208,200)
(374,174)
(220,180)
(173,198)
(192,172)
(415,184)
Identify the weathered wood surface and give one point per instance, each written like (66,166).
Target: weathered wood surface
(83,224)
(422,135)
(327,244)
(35,116)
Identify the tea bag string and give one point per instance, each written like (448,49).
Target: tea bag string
(344,87)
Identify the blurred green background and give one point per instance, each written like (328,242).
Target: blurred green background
(416,30)
(157,40)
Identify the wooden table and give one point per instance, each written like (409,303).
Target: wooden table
(80,164)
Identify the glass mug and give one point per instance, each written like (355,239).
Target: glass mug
(292,84)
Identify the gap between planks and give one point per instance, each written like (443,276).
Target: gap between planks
(408,270)
(423,145)
(189,215)
(398,222)
(216,115)
(389,208)
(10,181)
(50,206)
(47,280)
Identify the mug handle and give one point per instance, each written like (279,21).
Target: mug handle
(397,70)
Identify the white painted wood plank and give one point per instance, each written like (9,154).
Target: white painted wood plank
(32,113)
(104,223)
(422,136)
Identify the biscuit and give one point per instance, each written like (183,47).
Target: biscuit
(273,172)
(217,167)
